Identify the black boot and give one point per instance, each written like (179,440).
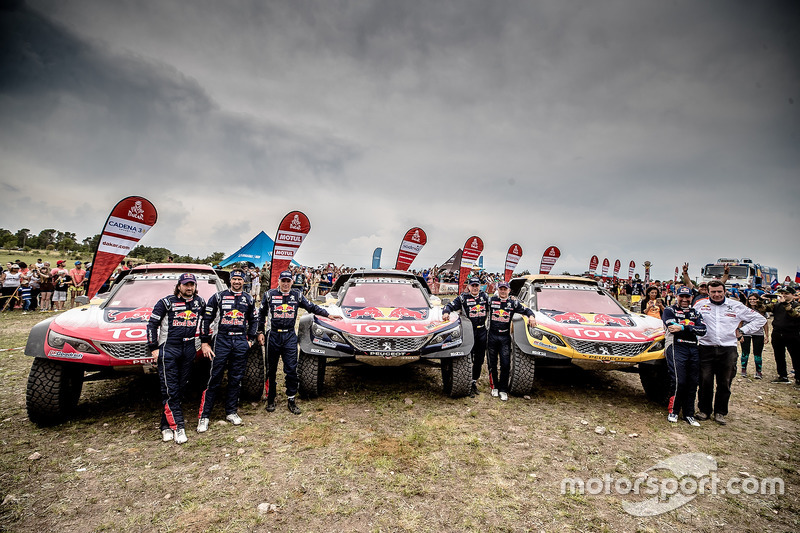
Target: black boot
(473,390)
(270,406)
(293,407)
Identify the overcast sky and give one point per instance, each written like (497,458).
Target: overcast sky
(643,130)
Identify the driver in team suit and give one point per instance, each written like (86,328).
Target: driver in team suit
(280,306)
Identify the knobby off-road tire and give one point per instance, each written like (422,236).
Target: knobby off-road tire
(655,382)
(311,371)
(254,374)
(523,366)
(53,391)
(457,376)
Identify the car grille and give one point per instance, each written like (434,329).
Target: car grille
(379,344)
(620,349)
(125,350)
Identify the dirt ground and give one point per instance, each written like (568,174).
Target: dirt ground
(385,450)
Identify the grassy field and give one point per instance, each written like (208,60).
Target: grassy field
(385,451)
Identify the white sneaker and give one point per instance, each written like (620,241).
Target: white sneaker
(234,419)
(495,393)
(166,435)
(202,425)
(180,436)
(504,396)
(672,417)
(692,422)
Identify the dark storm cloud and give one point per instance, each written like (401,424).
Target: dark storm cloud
(99,113)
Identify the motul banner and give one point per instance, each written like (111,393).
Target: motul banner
(130,219)
(647,265)
(291,232)
(473,249)
(412,243)
(604,271)
(512,260)
(675,280)
(593,262)
(617,266)
(631,268)
(549,259)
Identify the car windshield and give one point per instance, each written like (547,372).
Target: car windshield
(146,292)
(384,295)
(580,301)
(735,271)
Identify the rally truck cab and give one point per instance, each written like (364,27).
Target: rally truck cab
(390,318)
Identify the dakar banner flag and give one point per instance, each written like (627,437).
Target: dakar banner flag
(292,230)
(675,279)
(412,243)
(631,268)
(130,219)
(549,259)
(604,272)
(617,266)
(593,262)
(512,260)
(473,249)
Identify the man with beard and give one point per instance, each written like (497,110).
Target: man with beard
(171,332)
(236,332)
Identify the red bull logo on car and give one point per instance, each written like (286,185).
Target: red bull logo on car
(599,319)
(387,313)
(142,314)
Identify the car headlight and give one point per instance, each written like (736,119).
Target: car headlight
(540,334)
(657,346)
(321,331)
(653,332)
(57,340)
(453,334)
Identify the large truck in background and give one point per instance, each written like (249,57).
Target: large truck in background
(744,271)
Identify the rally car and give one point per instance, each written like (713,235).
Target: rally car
(580,324)
(390,318)
(108,337)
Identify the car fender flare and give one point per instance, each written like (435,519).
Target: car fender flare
(37,338)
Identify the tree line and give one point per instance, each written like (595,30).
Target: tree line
(64,241)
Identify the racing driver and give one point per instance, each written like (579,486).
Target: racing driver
(235,334)
(474,303)
(684,325)
(171,331)
(280,306)
(501,312)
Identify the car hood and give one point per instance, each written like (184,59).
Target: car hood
(95,323)
(620,327)
(383,321)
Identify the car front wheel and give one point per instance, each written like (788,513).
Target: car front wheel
(53,391)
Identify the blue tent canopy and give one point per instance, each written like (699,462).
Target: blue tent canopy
(258,251)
